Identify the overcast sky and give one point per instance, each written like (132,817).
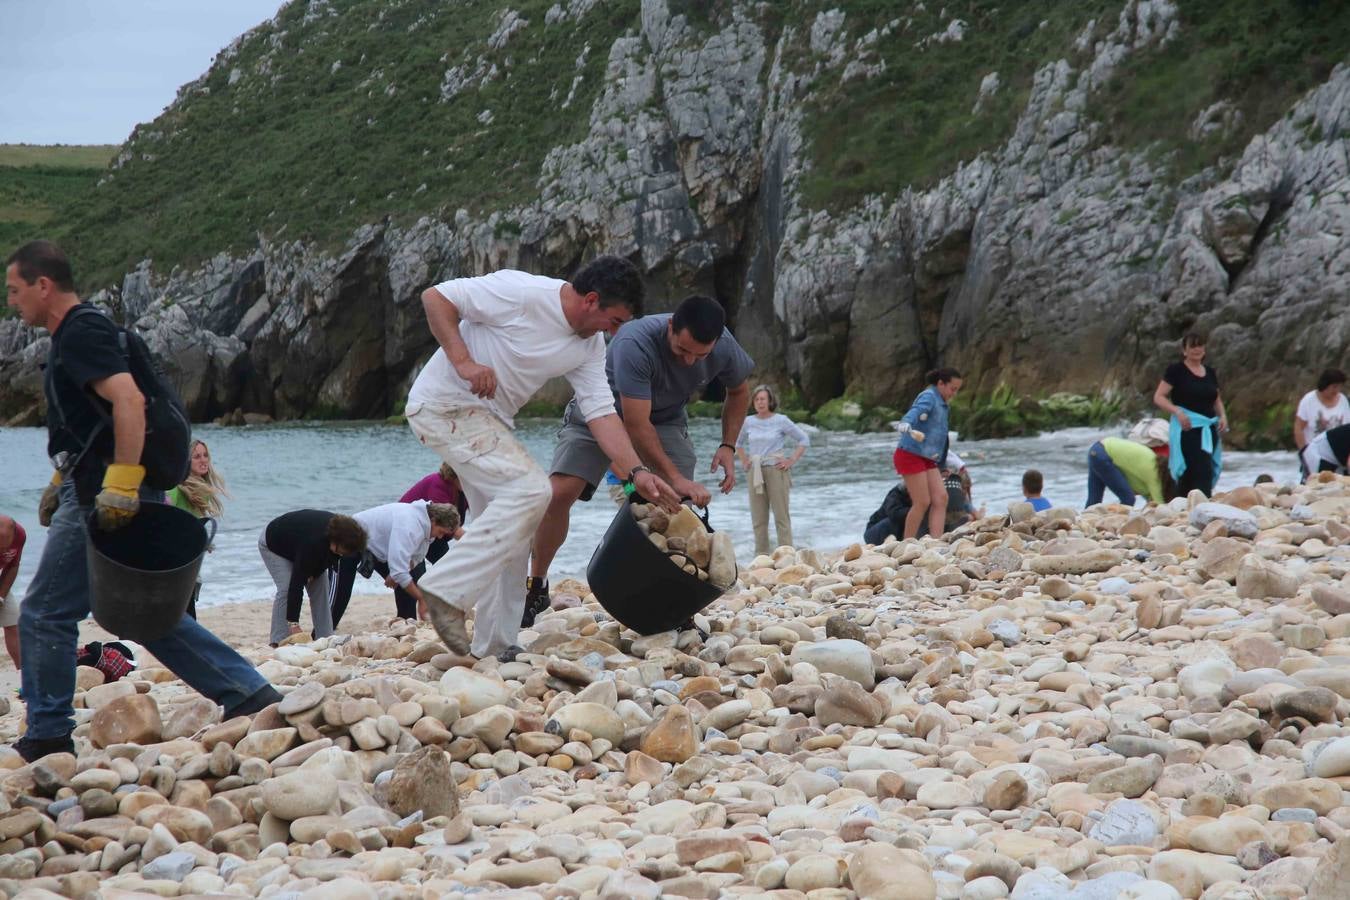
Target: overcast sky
(87,71)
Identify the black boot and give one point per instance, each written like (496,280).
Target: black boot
(536,599)
(32,749)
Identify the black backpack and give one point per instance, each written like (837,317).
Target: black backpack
(167,454)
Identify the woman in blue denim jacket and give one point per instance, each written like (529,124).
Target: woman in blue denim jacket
(921,449)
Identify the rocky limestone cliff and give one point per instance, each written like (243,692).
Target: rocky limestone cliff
(1056,262)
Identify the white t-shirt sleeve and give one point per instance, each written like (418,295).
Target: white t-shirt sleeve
(1307,409)
(594,398)
(492,299)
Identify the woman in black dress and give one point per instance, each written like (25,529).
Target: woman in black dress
(1190,388)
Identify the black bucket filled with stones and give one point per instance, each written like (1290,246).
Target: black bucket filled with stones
(653,569)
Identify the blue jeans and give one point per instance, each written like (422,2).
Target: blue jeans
(1102,474)
(49,629)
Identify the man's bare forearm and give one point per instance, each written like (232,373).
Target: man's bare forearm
(734,407)
(128,429)
(443,319)
(609,433)
(647,442)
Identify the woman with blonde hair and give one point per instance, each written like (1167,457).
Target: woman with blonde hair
(760,448)
(200,494)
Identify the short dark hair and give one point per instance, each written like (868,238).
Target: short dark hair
(1032,482)
(347,533)
(941,376)
(701,316)
(1330,377)
(1193,339)
(615,279)
(43,259)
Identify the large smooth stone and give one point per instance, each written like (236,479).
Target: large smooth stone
(597,720)
(1126,822)
(673,738)
(1239,522)
(474,691)
(851,659)
(1332,874)
(1330,759)
(300,793)
(1205,679)
(1261,579)
(848,703)
(882,872)
(1319,794)
(132,719)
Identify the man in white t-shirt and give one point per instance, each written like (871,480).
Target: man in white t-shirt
(502,337)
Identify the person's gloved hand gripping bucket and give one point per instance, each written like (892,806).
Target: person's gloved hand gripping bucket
(119,500)
(51,501)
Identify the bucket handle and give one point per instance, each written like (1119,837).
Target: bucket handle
(210,525)
(689,500)
(703,515)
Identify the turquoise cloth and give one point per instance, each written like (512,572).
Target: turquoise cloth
(1176,462)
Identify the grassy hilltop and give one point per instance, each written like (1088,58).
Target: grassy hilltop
(342,113)
(38,181)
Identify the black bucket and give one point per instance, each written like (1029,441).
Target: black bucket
(142,575)
(637,583)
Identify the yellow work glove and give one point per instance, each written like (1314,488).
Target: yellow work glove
(118,502)
(51,499)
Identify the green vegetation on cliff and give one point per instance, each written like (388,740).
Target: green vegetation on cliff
(922,115)
(1245,61)
(347,112)
(319,122)
(37,181)
(915,121)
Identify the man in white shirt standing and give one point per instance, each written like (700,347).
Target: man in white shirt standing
(502,337)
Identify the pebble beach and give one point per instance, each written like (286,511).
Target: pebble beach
(1111,703)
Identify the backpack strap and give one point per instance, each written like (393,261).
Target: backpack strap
(105,417)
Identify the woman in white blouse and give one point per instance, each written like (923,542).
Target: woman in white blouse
(761,447)
(1319,411)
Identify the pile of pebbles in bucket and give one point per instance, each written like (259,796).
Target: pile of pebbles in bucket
(1109,704)
(686,541)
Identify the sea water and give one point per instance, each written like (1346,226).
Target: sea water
(350,466)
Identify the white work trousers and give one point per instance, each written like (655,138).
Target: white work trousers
(508,493)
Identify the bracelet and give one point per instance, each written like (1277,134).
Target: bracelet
(730,447)
(633,472)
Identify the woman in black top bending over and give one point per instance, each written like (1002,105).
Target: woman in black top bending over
(1190,386)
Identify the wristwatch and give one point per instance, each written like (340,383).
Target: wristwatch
(632,473)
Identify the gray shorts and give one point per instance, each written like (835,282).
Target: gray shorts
(577,453)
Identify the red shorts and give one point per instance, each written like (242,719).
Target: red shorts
(907,463)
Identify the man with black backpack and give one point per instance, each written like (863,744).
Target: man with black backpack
(101,392)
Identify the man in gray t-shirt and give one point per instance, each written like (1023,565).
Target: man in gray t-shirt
(654,365)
